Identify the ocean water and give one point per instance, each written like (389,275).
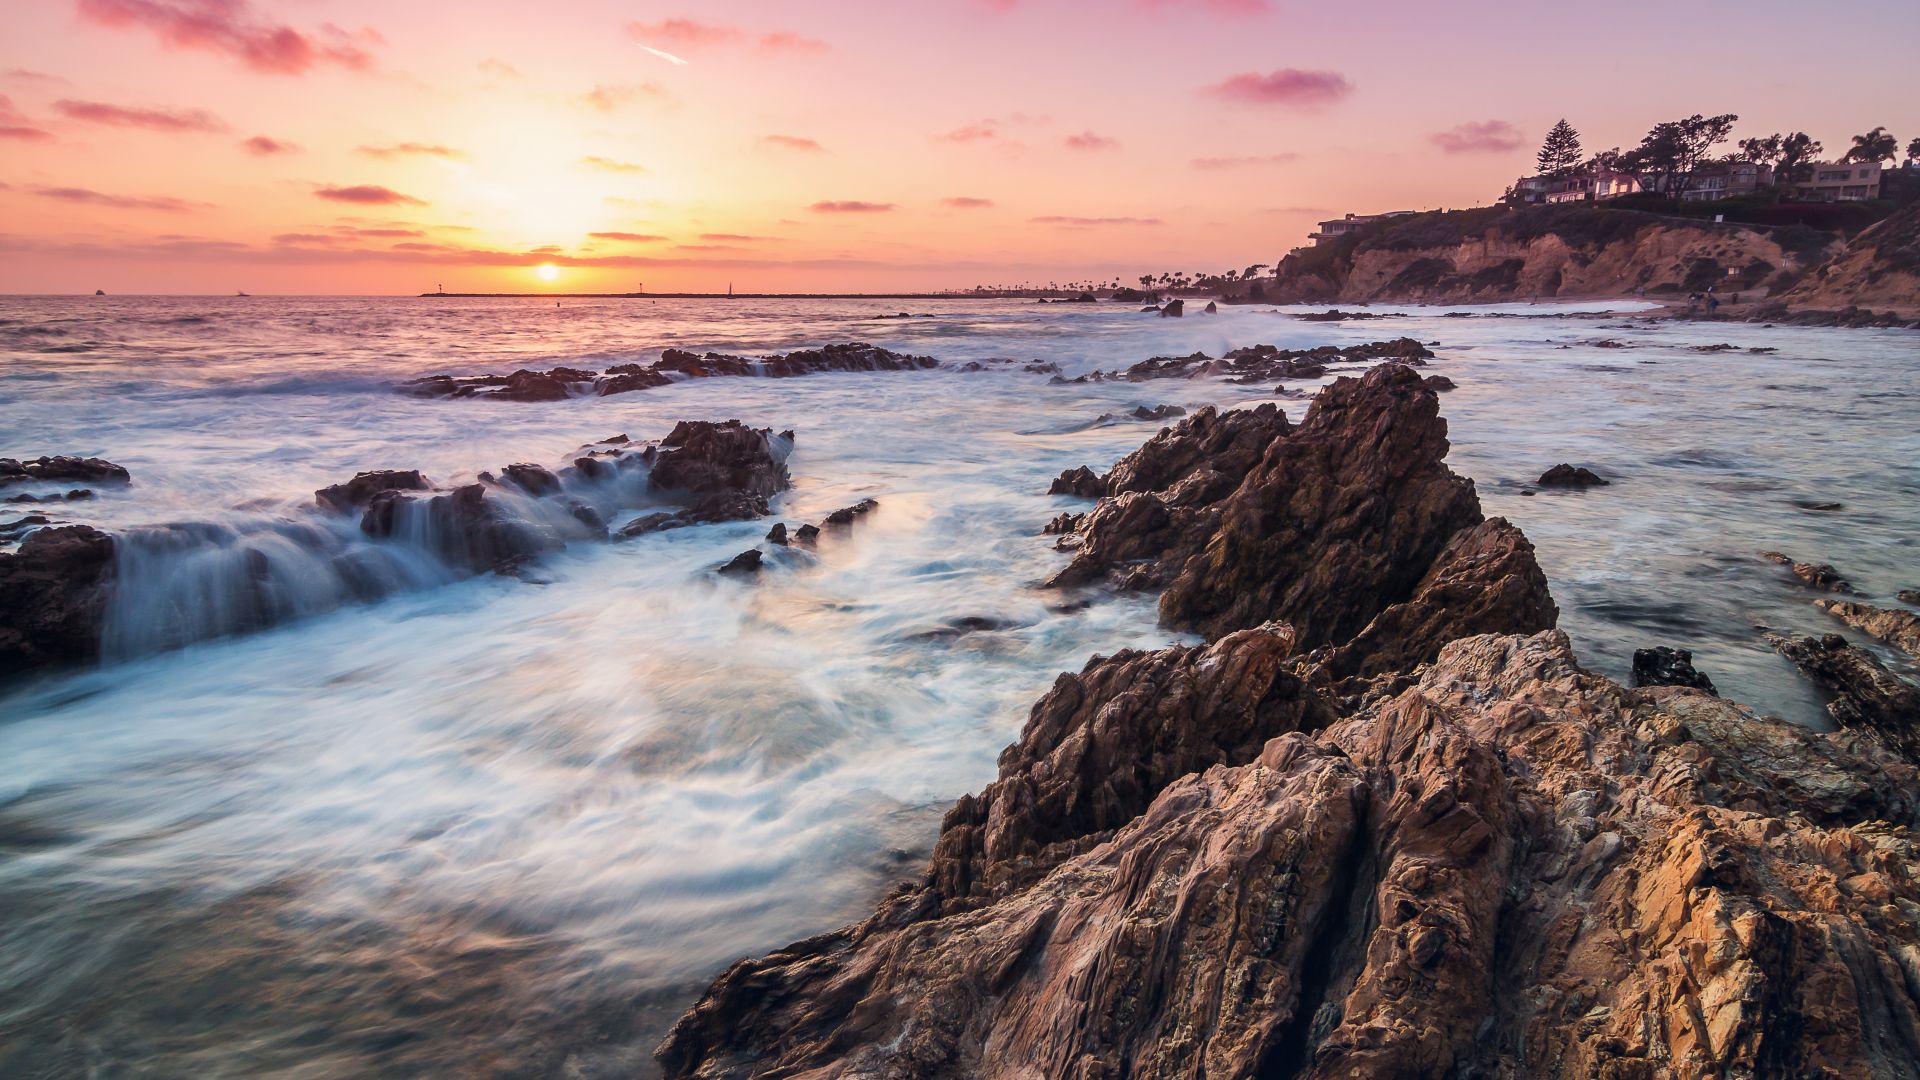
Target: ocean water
(511,825)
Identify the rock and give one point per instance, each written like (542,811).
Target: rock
(1663,666)
(1439,384)
(532,479)
(1817,575)
(1866,695)
(1722,347)
(744,564)
(1909,596)
(1062,524)
(1173,309)
(673,365)
(61,468)
(1158,412)
(1901,629)
(75,495)
(357,492)
(1565,475)
(1211,308)
(1083,482)
(845,515)
(729,469)
(806,534)
(778,534)
(465,528)
(53,597)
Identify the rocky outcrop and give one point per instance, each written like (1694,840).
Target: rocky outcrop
(1901,629)
(61,469)
(1866,695)
(1817,575)
(1665,666)
(53,595)
(1495,254)
(674,365)
(1264,363)
(1879,269)
(1570,476)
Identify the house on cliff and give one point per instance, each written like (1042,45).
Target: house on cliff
(1845,181)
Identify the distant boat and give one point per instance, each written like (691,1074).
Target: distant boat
(99,292)
(238,293)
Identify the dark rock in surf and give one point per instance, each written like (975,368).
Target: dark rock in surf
(360,490)
(75,495)
(1570,476)
(1439,384)
(806,534)
(1817,575)
(1866,696)
(1082,482)
(61,468)
(53,597)
(778,534)
(745,564)
(1173,309)
(1900,629)
(845,515)
(1664,666)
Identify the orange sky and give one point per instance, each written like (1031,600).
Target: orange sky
(342,146)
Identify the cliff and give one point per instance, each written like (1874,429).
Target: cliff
(1879,270)
(1493,254)
(1381,825)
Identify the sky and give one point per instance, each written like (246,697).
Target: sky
(360,147)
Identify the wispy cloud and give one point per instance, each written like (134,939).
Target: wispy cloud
(627,237)
(970,133)
(368,194)
(34,78)
(735,238)
(1479,137)
(1072,222)
(607,164)
(966,202)
(411,149)
(1087,140)
(1245,161)
(689,34)
(15,124)
(662,54)
(793,142)
(89,197)
(499,68)
(850,206)
(233,28)
(267,146)
(610,96)
(98,112)
(1287,86)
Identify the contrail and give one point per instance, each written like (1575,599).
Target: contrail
(667,56)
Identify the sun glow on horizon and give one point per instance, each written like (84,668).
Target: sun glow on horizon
(547,272)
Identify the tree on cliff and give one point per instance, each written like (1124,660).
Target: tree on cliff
(1875,145)
(1913,150)
(1560,154)
(1788,154)
(1673,151)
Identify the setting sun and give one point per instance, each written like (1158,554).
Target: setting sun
(547,271)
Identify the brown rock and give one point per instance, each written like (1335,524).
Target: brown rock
(1901,629)
(1866,695)
(1818,575)
(1565,475)
(360,490)
(53,597)
(62,468)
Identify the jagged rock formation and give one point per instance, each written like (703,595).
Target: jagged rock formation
(1572,476)
(1247,859)
(1879,269)
(1494,253)
(61,468)
(674,365)
(1263,363)
(53,592)
(1865,694)
(1665,666)
(1901,629)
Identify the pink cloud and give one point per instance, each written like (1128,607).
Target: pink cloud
(410,149)
(1287,86)
(606,164)
(1087,140)
(1218,7)
(1071,222)
(232,27)
(970,133)
(96,112)
(607,98)
(88,197)
(735,238)
(966,202)
(793,142)
(1479,137)
(691,36)
(627,237)
(266,146)
(367,194)
(850,206)
(1244,162)
(15,125)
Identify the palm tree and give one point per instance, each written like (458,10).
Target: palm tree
(1875,145)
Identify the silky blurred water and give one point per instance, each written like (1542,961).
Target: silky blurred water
(506,826)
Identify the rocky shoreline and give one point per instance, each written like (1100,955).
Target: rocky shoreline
(1380,823)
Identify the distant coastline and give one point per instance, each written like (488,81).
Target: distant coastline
(742,296)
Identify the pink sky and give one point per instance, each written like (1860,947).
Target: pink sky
(349,146)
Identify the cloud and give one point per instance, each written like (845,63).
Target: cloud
(970,133)
(608,97)
(367,194)
(38,78)
(1071,222)
(606,164)
(499,68)
(385,233)
(1244,162)
(966,202)
(793,142)
(1479,137)
(411,149)
(627,237)
(1287,86)
(266,146)
(303,238)
(735,238)
(14,124)
(97,112)
(232,27)
(707,247)
(89,197)
(1218,7)
(1087,140)
(687,34)
(850,206)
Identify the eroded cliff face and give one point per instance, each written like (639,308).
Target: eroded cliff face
(1401,836)
(1879,269)
(1540,252)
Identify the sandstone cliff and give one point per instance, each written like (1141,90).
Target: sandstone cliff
(1552,251)
(1879,270)
(1381,825)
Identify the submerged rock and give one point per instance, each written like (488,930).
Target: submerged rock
(674,365)
(53,596)
(1173,309)
(1818,575)
(1901,629)
(1866,695)
(1265,363)
(1439,384)
(745,564)
(61,469)
(1664,666)
(360,490)
(1571,476)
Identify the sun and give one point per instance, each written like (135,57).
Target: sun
(547,271)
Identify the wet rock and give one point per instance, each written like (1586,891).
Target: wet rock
(466,528)
(1082,482)
(845,515)
(1609,343)
(659,521)
(1901,629)
(61,468)
(728,470)
(1722,347)
(1439,384)
(1664,666)
(53,597)
(1173,309)
(1866,696)
(806,534)
(1062,524)
(75,495)
(962,627)
(1211,308)
(535,480)
(1570,476)
(1158,412)
(778,534)
(673,365)
(1817,575)
(1819,507)
(360,490)
(745,564)
(1909,596)
(1336,315)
